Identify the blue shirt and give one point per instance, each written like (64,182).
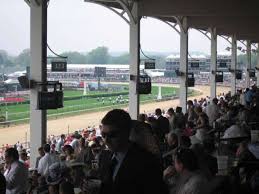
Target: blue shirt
(249,96)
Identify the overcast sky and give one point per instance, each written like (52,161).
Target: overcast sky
(74,25)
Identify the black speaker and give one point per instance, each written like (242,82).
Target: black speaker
(24,82)
(51,99)
(238,74)
(190,80)
(219,76)
(178,72)
(144,85)
(252,73)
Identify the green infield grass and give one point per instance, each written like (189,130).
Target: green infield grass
(89,103)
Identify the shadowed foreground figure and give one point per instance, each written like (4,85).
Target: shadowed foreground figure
(132,169)
(2,184)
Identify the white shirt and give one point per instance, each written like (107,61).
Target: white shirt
(212,111)
(60,143)
(75,144)
(16,178)
(44,164)
(242,99)
(235,131)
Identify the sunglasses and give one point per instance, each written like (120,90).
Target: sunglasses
(111,135)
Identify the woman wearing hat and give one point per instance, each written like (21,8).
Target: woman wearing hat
(57,174)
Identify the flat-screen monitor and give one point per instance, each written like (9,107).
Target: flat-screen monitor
(150,65)
(58,66)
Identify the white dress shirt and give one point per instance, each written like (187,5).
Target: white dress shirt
(16,178)
(75,144)
(212,111)
(60,143)
(45,163)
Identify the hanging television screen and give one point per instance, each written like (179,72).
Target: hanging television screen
(150,65)
(58,66)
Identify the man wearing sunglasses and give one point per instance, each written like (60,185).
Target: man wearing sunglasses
(132,169)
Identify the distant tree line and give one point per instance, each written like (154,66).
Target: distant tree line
(99,55)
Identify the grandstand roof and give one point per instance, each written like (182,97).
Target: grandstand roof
(228,16)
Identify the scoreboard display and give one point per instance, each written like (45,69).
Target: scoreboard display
(58,66)
(195,64)
(100,72)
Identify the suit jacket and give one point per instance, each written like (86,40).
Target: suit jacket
(162,127)
(139,173)
(16,178)
(179,121)
(2,184)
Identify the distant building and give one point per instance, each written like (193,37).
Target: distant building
(197,63)
(86,72)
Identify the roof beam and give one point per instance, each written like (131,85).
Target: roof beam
(199,7)
(228,16)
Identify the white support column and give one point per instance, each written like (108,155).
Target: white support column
(134,61)
(38,72)
(159,95)
(257,64)
(233,64)
(85,86)
(213,63)
(184,63)
(248,65)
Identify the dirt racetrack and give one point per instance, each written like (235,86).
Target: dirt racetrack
(12,134)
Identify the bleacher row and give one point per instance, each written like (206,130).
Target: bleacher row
(216,141)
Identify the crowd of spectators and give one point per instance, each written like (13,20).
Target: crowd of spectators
(209,149)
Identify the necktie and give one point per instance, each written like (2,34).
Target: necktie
(114,163)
